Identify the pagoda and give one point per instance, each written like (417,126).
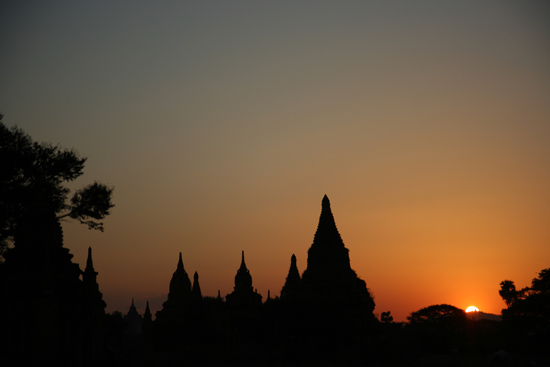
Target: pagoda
(179,296)
(330,298)
(292,281)
(243,293)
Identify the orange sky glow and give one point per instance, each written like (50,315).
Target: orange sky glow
(221,125)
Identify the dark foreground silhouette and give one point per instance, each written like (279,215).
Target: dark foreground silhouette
(53,313)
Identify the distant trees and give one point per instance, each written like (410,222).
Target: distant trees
(530,302)
(34,175)
(527,316)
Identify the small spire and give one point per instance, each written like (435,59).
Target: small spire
(292,279)
(180,262)
(132,307)
(89,261)
(243,265)
(196,287)
(325,202)
(89,274)
(147,316)
(268,294)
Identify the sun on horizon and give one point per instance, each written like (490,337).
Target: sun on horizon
(472,309)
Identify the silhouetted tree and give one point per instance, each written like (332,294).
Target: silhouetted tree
(33,174)
(508,292)
(541,284)
(437,329)
(527,316)
(532,302)
(436,313)
(386,317)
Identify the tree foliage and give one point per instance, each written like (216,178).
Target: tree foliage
(527,316)
(508,292)
(34,174)
(436,313)
(532,302)
(386,317)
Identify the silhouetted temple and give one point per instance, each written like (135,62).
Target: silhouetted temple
(53,313)
(329,276)
(179,296)
(196,291)
(292,282)
(243,293)
(134,320)
(330,297)
(50,315)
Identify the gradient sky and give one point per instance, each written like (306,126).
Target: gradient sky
(221,125)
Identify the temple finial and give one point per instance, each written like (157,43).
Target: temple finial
(89,261)
(180,262)
(243,264)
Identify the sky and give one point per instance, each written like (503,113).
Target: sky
(222,124)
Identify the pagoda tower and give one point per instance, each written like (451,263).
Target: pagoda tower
(93,314)
(196,291)
(333,302)
(147,316)
(329,277)
(134,321)
(243,293)
(179,296)
(292,281)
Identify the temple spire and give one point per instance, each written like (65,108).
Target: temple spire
(89,261)
(89,275)
(292,279)
(243,290)
(180,263)
(147,316)
(327,234)
(196,287)
(132,307)
(243,265)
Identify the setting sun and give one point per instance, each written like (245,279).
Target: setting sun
(472,309)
